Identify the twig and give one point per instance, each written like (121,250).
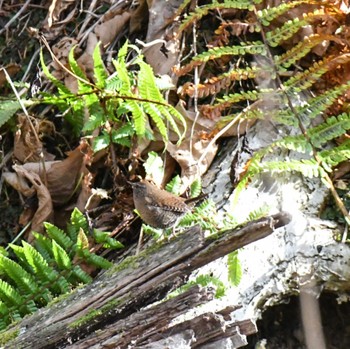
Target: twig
(23,8)
(88,17)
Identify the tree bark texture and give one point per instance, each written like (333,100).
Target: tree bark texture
(112,308)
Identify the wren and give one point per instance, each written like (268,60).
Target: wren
(157,207)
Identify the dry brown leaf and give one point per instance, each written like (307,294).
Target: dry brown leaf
(64,176)
(86,60)
(56,8)
(192,166)
(162,56)
(11,69)
(44,213)
(18,183)
(61,51)
(27,145)
(106,32)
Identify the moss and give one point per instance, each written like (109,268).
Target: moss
(64,296)
(128,262)
(92,314)
(8,335)
(133,261)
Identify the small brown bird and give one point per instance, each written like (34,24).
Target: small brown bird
(157,207)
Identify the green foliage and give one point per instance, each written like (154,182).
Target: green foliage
(204,280)
(174,186)
(234,268)
(125,100)
(196,188)
(49,268)
(271,65)
(318,136)
(205,215)
(7,109)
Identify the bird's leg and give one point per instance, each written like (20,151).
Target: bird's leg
(138,248)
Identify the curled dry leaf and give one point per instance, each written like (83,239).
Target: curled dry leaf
(18,183)
(44,212)
(56,9)
(11,69)
(27,145)
(62,178)
(190,159)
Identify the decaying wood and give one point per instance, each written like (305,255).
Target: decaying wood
(110,305)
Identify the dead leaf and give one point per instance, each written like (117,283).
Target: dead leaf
(44,213)
(162,56)
(18,183)
(27,145)
(11,69)
(63,177)
(56,9)
(106,32)
(190,159)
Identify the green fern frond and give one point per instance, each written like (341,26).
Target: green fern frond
(333,127)
(267,15)
(78,221)
(234,268)
(84,84)
(317,105)
(305,79)
(253,48)
(99,68)
(276,36)
(5,317)
(196,188)
(174,186)
(9,295)
(205,280)
(139,116)
(43,245)
(24,281)
(86,89)
(61,87)
(42,270)
(61,257)
(81,275)
(300,50)
(114,83)
(59,236)
(7,109)
(47,270)
(94,259)
(122,71)
(104,238)
(335,156)
(202,11)
(308,168)
(158,109)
